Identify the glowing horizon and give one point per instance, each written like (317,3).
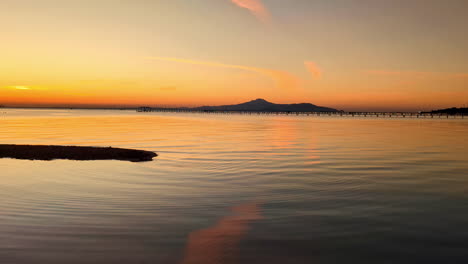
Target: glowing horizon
(179,53)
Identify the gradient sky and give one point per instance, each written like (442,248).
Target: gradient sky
(347,54)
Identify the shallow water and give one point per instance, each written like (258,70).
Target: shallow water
(236,189)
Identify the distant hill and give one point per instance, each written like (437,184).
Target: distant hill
(451,111)
(261,105)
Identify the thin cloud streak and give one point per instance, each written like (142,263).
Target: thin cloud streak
(256,7)
(283,79)
(313,69)
(417,74)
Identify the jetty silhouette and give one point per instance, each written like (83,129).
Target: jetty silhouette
(263,107)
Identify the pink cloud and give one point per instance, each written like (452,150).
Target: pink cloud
(313,69)
(256,7)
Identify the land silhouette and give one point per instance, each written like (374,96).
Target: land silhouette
(42,152)
(451,111)
(261,105)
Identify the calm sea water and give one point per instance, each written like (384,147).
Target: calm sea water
(236,189)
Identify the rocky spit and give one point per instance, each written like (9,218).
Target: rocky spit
(43,152)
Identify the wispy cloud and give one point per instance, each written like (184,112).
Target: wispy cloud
(462,75)
(256,7)
(313,69)
(282,79)
(417,74)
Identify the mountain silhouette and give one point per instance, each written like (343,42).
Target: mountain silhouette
(261,105)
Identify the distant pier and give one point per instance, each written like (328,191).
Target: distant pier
(409,115)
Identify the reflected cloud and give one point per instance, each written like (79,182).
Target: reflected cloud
(256,7)
(219,244)
(284,80)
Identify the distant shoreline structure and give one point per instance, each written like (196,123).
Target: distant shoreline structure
(451,111)
(258,105)
(254,106)
(408,115)
(262,107)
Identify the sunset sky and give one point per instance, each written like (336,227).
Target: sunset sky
(348,54)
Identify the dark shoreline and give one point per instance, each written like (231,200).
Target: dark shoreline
(43,152)
(451,111)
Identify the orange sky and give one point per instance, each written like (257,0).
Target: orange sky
(365,55)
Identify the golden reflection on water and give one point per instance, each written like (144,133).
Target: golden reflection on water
(219,244)
(287,135)
(326,170)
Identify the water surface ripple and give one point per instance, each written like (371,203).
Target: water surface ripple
(236,189)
